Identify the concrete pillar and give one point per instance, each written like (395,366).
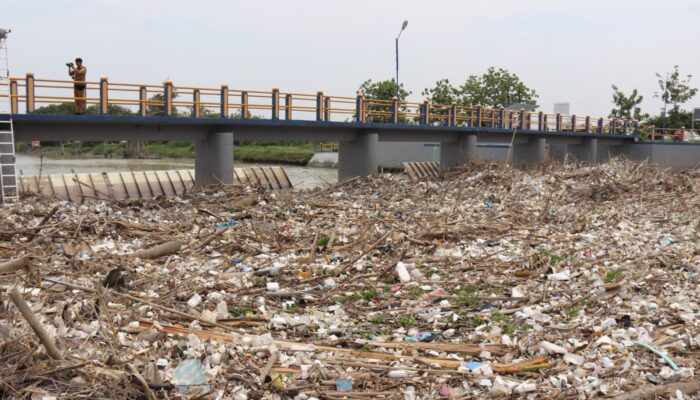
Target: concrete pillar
(532,152)
(360,157)
(213,159)
(587,151)
(458,153)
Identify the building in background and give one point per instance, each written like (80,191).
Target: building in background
(561,108)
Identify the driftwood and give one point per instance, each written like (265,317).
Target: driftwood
(14,265)
(29,316)
(651,392)
(158,250)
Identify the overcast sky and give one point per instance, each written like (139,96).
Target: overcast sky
(567,50)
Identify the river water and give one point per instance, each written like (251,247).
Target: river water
(301,177)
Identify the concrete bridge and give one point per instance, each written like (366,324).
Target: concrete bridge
(213,117)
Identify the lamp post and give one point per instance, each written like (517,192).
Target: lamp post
(403,26)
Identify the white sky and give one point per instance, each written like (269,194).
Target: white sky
(567,50)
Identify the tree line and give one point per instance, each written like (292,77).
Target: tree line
(498,88)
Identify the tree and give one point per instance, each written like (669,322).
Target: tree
(158,109)
(382,90)
(496,88)
(627,107)
(442,93)
(674,91)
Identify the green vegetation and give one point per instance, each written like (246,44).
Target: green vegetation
(495,88)
(369,294)
(415,293)
(377,319)
(612,276)
(571,312)
(406,321)
(288,153)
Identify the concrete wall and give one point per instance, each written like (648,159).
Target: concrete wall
(683,155)
(392,154)
(492,152)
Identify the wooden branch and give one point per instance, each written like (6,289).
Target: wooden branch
(14,265)
(159,250)
(29,316)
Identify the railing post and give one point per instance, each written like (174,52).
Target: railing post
(30,92)
(573,123)
(600,126)
(557,123)
(588,124)
(14,98)
(453,114)
(143,101)
(394,110)
(635,127)
(359,115)
(478,116)
(275,103)
(540,121)
(288,107)
(244,105)
(224,101)
(545,128)
(168,98)
(521,117)
(613,126)
(502,118)
(104,100)
(326,108)
(426,112)
(625,124)
(319,106)
(196,96)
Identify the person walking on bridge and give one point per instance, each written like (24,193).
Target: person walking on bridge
(78,72)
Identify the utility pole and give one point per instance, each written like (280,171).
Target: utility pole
(403,26)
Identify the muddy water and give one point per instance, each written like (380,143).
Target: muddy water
(301,177)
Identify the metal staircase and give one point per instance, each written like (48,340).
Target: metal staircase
(9,191)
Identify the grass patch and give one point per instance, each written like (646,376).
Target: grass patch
(257,152)
(509,329)
(377,319)
(406,321)
(415,293)
(612,276)
(571,312)
(368,295)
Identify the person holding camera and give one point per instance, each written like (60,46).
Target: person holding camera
(78,71)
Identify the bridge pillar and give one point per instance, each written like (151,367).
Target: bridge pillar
(532,152)
(213,159)
(462,152)
(558,151)
(360,157)
(587,151)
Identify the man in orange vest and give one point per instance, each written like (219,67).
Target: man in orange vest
(78,72)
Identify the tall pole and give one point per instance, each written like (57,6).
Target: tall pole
(397,66)
(398,92)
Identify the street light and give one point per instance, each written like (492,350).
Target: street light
(403,26)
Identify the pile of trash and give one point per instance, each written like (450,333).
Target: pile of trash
(564,281)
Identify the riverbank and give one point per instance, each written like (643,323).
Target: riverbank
(297,153)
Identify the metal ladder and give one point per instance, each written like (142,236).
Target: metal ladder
(9,190)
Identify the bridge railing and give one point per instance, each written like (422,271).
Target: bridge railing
(28,94)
